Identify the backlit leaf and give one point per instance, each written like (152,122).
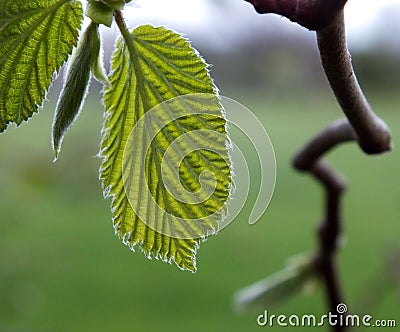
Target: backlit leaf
(151,207)
(36,37)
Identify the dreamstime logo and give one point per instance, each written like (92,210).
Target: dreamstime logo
(340,318)
(341,308)
(183,142)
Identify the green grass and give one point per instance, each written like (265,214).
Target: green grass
(63,269)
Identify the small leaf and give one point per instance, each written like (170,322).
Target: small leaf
(75,86)
(99,12)
(97,64)
(153,66)
(36,38)
(277,287)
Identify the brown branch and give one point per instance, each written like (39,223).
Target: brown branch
(337,132)
(327,18)
(309,159)
(363,125)
(373,135)
(329,232)
(311,14)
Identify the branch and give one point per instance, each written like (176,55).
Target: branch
(337,132)
(363,125)
(311,14)
(329,232)
(309,159)
(373,135)
(327,18)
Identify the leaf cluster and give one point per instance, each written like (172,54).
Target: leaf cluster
(168,183)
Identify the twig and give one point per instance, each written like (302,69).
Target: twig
(309,159)
(373,135)
(311,14)
(337,132)
(363,125)
(329,234)
(327,18)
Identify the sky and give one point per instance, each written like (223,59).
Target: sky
(358,12)
(221,22)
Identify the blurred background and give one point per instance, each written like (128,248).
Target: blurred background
(63,269)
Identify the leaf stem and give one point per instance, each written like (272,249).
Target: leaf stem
(119,19)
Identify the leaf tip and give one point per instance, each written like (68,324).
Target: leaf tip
(56,150)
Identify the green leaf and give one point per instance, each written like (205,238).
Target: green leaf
(36,38)
(152,206)
(277,287)
(97,64)
(76,84)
